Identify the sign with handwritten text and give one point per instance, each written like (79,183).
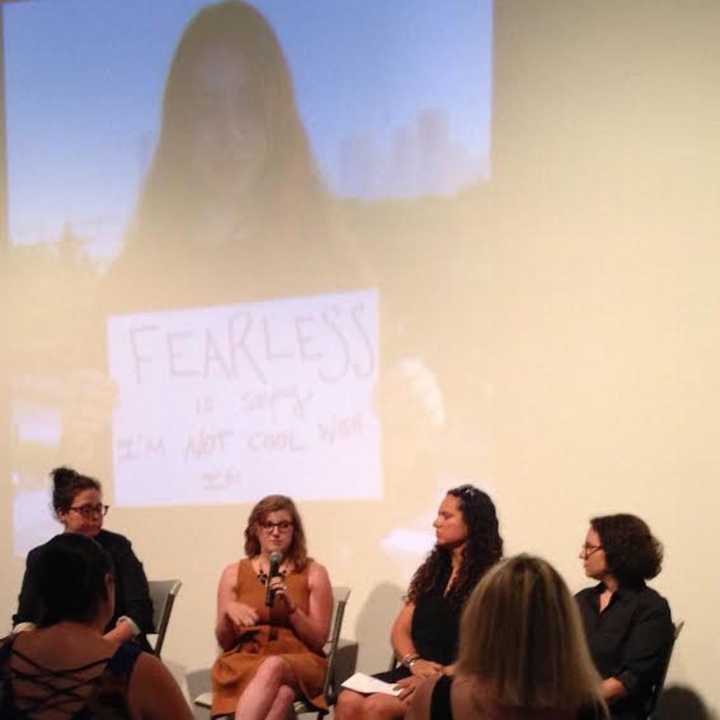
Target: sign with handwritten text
(230,403)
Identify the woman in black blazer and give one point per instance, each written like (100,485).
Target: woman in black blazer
(77,500)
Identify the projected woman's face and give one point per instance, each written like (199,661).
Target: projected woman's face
(450,527)
(230,139)
(275,532)
(85,515)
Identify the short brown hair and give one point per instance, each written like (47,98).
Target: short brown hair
(632,553)
(297,552)
(521,633)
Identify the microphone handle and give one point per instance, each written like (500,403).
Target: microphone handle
(269,592)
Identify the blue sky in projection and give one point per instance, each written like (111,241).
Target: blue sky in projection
(84,82)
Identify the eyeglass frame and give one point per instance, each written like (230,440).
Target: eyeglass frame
(282,527)
(589,550)
(89,511)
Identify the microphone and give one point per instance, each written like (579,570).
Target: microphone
(275,560)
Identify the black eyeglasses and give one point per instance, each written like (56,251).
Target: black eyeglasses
(282,526)
(90,511)
(588,549)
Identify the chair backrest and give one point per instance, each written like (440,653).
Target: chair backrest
(658,686)
(340,598)
(162,594)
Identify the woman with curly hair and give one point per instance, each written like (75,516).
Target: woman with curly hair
(627,624)
(425,633)
(273,617)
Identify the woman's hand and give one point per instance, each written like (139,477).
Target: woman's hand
(407,687)
(425,668)
(279,589)
(240,615)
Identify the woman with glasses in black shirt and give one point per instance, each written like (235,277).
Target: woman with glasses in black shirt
(627,624)
(78,505)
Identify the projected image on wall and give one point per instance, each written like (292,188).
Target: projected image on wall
(205,212)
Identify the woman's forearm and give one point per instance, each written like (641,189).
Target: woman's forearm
(307,629)
(225,633)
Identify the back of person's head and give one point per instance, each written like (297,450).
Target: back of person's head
(72,574)
(521,635)
(632,553)
(67,483)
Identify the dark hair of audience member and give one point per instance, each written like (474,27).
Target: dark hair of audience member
(72,571)
(632,553)
(67,483)
(482,550)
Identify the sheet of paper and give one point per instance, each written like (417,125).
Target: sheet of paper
(362,683)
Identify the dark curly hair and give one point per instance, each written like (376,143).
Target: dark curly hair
(482,550)
(632,553)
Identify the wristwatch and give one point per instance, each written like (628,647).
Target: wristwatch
(409,660)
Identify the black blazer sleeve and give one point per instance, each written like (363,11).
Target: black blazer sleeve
(29,609)
(132,595)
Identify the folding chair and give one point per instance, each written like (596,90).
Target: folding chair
(331,686)
(162,594)
(658,686)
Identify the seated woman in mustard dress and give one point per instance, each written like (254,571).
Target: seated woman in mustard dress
(273,616)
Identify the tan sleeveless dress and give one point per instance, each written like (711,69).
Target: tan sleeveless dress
(273,635)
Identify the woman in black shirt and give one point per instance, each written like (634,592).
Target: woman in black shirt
(627,624)
(77,501)
(424,635)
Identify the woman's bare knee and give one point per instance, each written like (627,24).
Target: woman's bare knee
(273,670)
(350,705)
(384,707)
(285,695)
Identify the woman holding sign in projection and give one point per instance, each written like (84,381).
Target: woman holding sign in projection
(425,633)
(273,616)
(78,503)
(231,211)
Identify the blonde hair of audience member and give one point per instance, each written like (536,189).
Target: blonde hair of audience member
(522,648)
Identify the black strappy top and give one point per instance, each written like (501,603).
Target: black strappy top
(107,698)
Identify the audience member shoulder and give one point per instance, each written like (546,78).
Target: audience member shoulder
(154,693)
